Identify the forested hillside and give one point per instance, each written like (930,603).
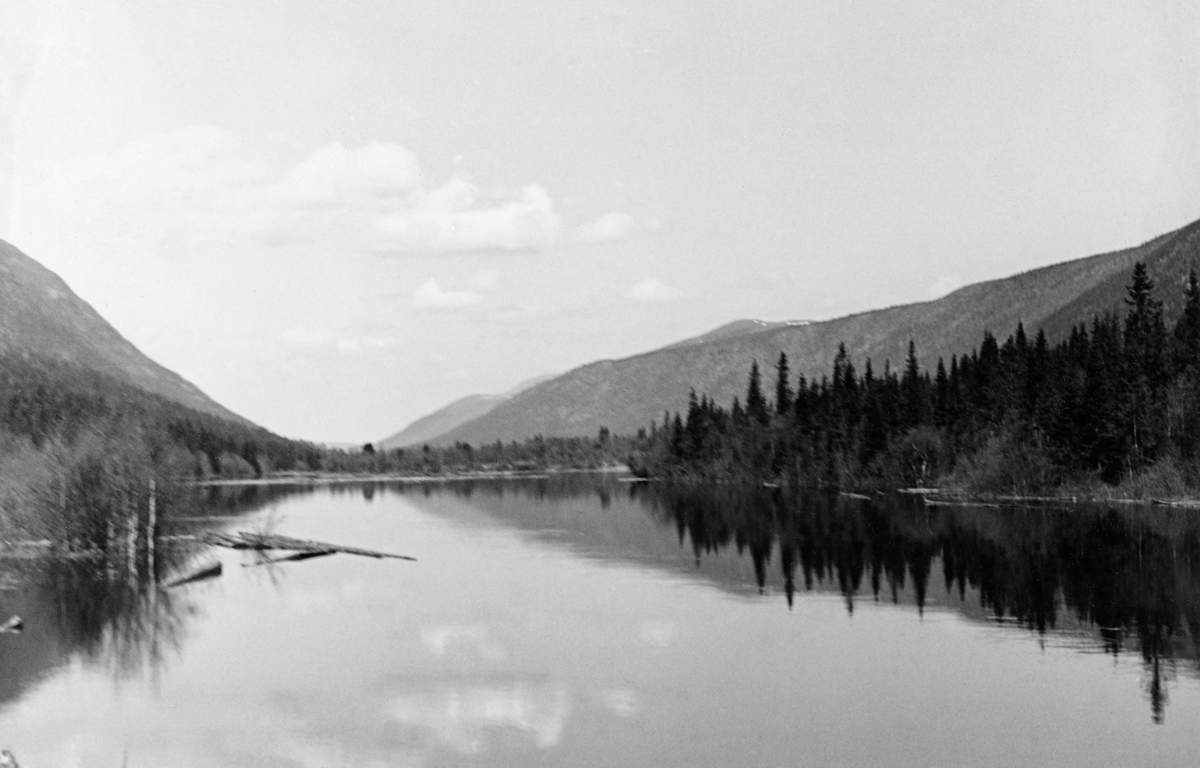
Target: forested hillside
(89,426)
(41,316)
(1117,400)
(80,449)
(627,394)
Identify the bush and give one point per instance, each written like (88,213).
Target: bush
(1015,462)
(916,458)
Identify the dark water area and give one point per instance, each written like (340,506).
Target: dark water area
(586,620)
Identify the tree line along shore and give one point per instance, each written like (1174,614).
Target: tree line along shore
(1113,409)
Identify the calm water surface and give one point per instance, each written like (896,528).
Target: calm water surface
(587,621)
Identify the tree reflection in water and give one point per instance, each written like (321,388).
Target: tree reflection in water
(125,626)
(108,608)
(1127,578)
(1131,574)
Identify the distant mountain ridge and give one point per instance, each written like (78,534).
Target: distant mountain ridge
(442,421)
(448,417)
(627,394)
(735,329)
(42,317)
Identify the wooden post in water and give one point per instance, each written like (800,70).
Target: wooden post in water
(131,542)
(151,522)
(110,551)
(62,508)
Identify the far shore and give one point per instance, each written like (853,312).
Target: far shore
(328,478)
(933,496)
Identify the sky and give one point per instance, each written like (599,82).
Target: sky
(336,217)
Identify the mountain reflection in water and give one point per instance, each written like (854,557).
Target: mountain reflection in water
(1093,577)
(1119,579)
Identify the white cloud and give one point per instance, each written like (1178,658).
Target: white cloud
(622,702)
(202,188)
(611,226)
(453,218)
(943,285)
(431,296)
(334,175)
(652,289)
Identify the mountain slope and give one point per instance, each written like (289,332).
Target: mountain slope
(442,420)
(448,417)
(733,330)
(627,394)
(41,316)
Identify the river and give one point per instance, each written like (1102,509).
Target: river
(588,621)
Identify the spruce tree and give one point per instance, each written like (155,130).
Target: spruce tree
(1036,372)
(677,437)
(941,394)
(1102,421)
(783,385)
(1187,330)
(756,404)
(736,415)
(954,395)
(875,422)
(694,427)
(1145,371)
(911,389)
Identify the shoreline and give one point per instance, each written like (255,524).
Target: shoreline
(933,496)
(334,478)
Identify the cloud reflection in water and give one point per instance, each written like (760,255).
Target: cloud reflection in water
(464,718)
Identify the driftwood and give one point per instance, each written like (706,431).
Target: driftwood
(849,495)
(292,558)
(210,571)
(13,626)
(263,542)
(959,503)
(1185,504)
(1051,499)
(918,491)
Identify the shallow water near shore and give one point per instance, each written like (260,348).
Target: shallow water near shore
(587,621)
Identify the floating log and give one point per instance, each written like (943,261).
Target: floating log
(204,573)
(1185,504)
(849,495)
(13,626)
(292,558)
(918,491)
(959,503)
(268,541)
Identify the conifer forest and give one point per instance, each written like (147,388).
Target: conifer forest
(1117,401)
